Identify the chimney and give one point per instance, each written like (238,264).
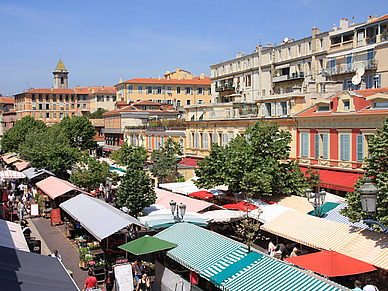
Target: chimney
(269,44)
(121,80)
(202,76)
(344,24)
(52,89)
(315,31)
(159,77)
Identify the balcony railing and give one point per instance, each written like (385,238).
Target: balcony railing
(224,88)
(231,113)
(292,76)
(350,68)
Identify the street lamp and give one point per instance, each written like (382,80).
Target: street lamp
(179,209)
(319,200)
(308,192)
(368,196)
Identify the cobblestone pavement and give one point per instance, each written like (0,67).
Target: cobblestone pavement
(55,238)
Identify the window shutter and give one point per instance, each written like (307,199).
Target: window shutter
(305,149)
(345,82)
(272,108)
(216,138)
(370,83)
(379,80)
(162,90)
(360,149)
(263,109)
(317,146)
(191,90)
(347,147)
(278,109)
(189,140)
(325,146)
(288,108)
(230,137)
(342,147)
(203,90)
(197,90)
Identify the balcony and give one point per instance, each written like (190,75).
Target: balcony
(230,113)
(292,76)
(341,46)
(225,88)
(350,68)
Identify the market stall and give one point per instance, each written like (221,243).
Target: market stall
(11,236)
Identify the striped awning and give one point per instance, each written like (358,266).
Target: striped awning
(323,234)
(334,215)
(228,264)
(9,174)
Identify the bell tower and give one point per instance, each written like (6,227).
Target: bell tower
(61,76)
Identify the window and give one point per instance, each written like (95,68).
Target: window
(200,101)
(67,98)
(47,106)
(114,98)
(33,97)
(139,89)
(149,141)
(209,91)
(72,106)
(316,145)
(188,102)
(346,105)
(188,90)
(304,145)
(84,106)
(55,115)
(130,89)
(149,90)
(33,115)
(178,90)
(159,90)
(268,109)
(47,98)
(224,139)
(325,146)
(380,105)
(40,98)
(345,147)
(67,106)
(200,91)
(54,98)
(162,141)
(289,53)
(283,108)
(321,146)
(214,138)
(72,98)
(324,108)
(47,115)
(40,106)
(60,98)
(205,141)
(360,148)
(169,90)
(178,103)
(107,98)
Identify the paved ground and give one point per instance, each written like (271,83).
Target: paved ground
(55,239)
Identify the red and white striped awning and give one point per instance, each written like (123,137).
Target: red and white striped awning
(9,174)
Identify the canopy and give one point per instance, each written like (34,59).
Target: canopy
(33,173)
(268,212)
(228,264)
(325,208)
(147,245)
(9,174)
(55,187)
(21,165)
(163,198)
(100,219)
(4,157)
(12,159)
(223,215)
(331,264)
(25,271)
(202,194)
(242,205)
(184,188)
(334,215)
(322,234)
(163,218)
(11,236)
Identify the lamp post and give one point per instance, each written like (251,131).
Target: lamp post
(178,211)
(319,200)
(368,196)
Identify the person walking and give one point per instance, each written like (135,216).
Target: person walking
(21,209)
(109,281)
(144,283)
(56,255)
(137,269)
(90,282)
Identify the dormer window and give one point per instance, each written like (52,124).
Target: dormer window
(378,101)
(323,108)
(346,105)
(380,105)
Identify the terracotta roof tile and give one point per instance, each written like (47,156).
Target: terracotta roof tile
(380,18)
(7,100)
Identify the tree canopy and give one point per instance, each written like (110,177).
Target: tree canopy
(165,159)
(130,156)
(96,114)
(80,132)
(256,164)
(377,169)
(14,137)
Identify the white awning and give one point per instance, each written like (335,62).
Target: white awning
(355,50)
(100,219)
(282,66)
(11,236)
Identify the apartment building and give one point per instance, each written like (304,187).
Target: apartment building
(179,88)
(7,113)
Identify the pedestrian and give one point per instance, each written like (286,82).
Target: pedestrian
(271,248)
(109,279)
(21,210)
(137,269)
(286,251)
(369,285)
(357,285)
(55,254)
(90,282)
(294,252)
(143,284)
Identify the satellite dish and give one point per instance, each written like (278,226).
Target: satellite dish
(360,72)
(286,39)
(356,80)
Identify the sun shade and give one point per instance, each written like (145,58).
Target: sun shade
(147,245)
(331,264)
(55,187)
(100,219)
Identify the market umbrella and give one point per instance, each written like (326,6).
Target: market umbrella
(147,245)
(242,205)
(9,174)
(331,264)
(163,218)
(202,194)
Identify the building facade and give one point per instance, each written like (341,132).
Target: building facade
(332,135)
(179,88)
(7,113)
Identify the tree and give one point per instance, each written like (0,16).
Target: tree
(50,149)
(130,156)
(312,179)
(377,169)
(80,132)
(256,164)
(165,159)
(135,191)
(89,172)
(15,136)
(96,114)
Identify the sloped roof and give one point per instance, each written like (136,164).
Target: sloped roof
(60,66)
(194,81)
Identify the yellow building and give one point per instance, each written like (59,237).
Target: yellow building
(178,88)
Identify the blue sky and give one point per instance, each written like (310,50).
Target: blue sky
(101,41)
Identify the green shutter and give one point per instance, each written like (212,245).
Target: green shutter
(360,147)
(325,146)
(317,146)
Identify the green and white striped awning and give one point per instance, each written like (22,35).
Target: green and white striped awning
(229,266)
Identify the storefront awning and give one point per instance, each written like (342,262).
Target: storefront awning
(33,173)
(55,187)
(322,234)
(20,166)
(190,162)
(11,236)
(25,271)
(100,219)
(338,180)
(229,265)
